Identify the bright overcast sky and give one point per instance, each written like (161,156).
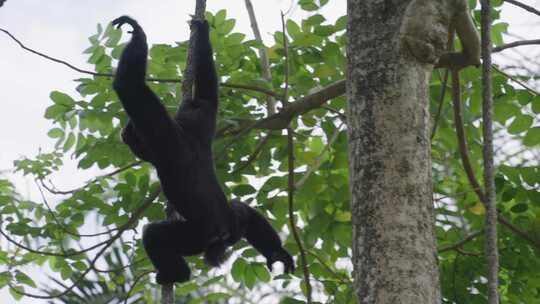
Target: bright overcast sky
(60,28)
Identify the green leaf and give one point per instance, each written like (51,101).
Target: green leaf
(262,273)
(324,30)
(520,124)
(186,288)
(22,278)
(535,105)
(55,133)
(341,23)
(227,26)
(238,269)
(519,208)
(63,99)
(216,296)
(70,141)
(532,138)
(293,29)
(308,5)
(250,277)
(244,189)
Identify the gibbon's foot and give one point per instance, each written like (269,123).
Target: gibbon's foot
(284,257)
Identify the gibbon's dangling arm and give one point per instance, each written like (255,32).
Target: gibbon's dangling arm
(150,121)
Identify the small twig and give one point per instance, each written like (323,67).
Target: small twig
(46,253)
(318,161)
(342,116)
(291,186)
(150,79)
(118,268)
(281,119)
(469,253)
(52,58)
(108,243)
(263,55)
(260,145)
(460,244)
(285,98)
(441,102)
(460,132)
(525,86)
(515,44)
(61,225)
(265,91)
(135,281)
(339,277)
(96,179)
(450,46)
(516,230)
(462,142)
(524,6)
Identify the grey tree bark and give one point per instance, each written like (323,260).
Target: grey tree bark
(392,48)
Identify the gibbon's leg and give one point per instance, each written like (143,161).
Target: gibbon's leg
(165,243)
(261,235)
(152,123)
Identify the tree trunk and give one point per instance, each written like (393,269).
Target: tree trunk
(392,48)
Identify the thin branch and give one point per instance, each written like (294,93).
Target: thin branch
(52,58)
(61,225)
(342,116)
(260,145)
(263,55)
(516,230)
(469,253)
(441,101)
(46,253)
(286,49)
(291,186)
(318,161)
(108,243)
(342,279)
(135,281)
(464,154)
(450,46)
(471,175)
(118,268)
(460,244)
(521,83)
(267,75)
(150,79)
(281,119)
(95,179)
(524,6)
(491,249)
(265,91)
(515,44)
(460,132)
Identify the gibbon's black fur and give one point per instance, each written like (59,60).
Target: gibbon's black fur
(180,149)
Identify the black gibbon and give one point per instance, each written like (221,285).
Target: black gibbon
(180,149)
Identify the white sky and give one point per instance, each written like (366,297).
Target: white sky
(60,28)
